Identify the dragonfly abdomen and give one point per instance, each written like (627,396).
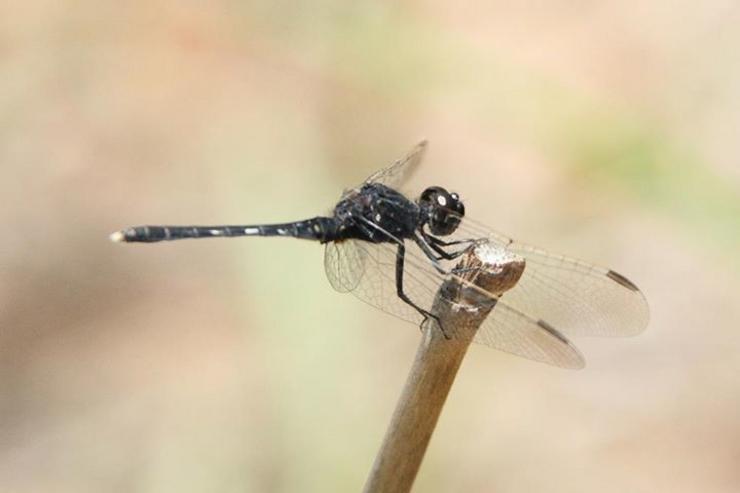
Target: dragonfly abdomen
(321,229)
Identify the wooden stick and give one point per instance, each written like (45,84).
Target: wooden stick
(461,308)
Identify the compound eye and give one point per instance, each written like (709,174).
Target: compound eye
(460,208)
(430,195)
(455,205)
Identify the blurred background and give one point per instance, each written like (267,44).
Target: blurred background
(606,130)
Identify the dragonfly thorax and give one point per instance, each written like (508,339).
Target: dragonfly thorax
(377,213)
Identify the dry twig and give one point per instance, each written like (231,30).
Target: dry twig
(461,309)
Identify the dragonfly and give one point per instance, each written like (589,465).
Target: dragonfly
(394,252)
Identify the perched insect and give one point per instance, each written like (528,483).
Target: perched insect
(393,252)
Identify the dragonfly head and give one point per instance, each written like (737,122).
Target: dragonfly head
(442,210)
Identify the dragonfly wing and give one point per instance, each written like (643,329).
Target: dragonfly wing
(397,173)
(344,263)
(506,328)
(377,286)
(576,297)
(509,330)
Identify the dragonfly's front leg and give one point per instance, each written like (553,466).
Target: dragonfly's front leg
(436,245)
(429,251)
(430,248)
(432,242)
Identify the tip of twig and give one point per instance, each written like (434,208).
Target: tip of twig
(117,237)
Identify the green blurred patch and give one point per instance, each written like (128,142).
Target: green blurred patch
(385,48)
(612,151)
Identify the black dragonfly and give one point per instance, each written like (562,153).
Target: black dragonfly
(393,253)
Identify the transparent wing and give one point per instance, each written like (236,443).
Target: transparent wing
(511,331)
(344,263)
(377,283)
(505,329)
(576,297)
(397,173)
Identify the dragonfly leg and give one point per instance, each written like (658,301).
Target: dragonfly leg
(400,256)
(437,241)
(428,246)
(436,245)
(429,251)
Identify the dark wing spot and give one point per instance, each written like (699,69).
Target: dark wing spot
(620,279)
(553,331)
